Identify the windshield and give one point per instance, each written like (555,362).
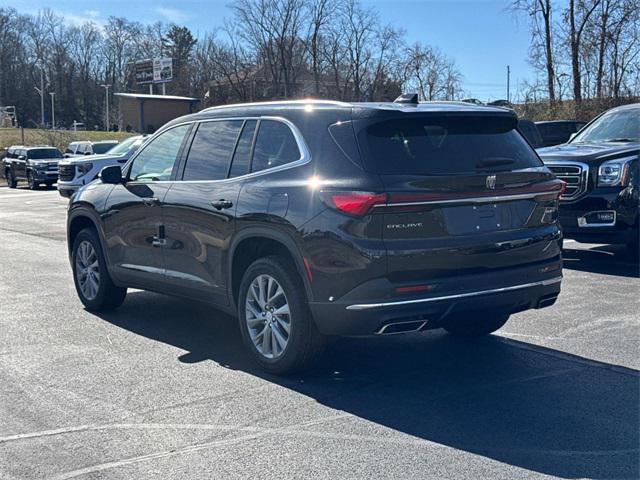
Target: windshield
(620,126)
(123,147)
(42,153)
(102,147)
(445,146)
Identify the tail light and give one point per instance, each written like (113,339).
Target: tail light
(357,204)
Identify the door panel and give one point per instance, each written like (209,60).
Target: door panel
(198,236)
(133,212)
(199,213)
(132,220)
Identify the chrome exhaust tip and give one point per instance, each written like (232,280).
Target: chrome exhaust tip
(396,328)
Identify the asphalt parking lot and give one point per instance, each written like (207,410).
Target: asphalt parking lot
(161,388)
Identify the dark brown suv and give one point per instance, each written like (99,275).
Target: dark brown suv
(313,218)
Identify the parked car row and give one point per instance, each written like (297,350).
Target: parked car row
(80,164)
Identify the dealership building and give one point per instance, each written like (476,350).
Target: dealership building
(146,113)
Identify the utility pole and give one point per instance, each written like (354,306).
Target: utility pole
(41,92)
(53,111)
(106,102)
(508,83)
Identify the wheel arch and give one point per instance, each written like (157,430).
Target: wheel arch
(253,243)
(82,218)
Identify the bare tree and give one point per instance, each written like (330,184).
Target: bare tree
(541,17)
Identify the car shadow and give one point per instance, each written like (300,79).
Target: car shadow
(603,259)
(514,402)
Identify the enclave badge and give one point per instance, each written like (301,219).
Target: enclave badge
(491,182)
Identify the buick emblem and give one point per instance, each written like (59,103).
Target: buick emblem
(491,182)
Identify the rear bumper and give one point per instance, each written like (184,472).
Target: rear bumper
(510,291)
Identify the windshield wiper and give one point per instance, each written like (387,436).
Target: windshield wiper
(620,140)
(494,162)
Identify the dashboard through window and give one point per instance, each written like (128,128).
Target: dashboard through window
(155,162)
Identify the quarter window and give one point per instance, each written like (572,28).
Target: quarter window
(211,150)
(156,161)
(275,146)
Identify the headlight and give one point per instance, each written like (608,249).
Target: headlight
(85,168)
(614,172)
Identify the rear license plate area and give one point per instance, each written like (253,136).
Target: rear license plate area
(488,217)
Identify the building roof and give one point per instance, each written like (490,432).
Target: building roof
(146,96)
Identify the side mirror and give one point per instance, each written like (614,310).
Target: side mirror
(66,155)
(87,153)
(21,157)
(111,174)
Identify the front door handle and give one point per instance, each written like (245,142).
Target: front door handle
(220,204)
(150,201)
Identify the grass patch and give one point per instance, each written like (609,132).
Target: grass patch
(55,138)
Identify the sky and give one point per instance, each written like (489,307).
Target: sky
(482,36)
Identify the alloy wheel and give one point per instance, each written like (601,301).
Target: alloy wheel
(268,316)
(88,270)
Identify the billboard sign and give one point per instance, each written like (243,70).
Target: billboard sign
(162,70)
(144,71)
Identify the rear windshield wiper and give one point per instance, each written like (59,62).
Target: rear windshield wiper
(494,162)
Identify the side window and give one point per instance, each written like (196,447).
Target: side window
(155,162)
(242,156)
(275,146)
(69,149)
(80,149)
(211,150)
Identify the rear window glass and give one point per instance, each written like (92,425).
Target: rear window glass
(211,150)
(103,147)
(44,153)
(444,146)
(242,157)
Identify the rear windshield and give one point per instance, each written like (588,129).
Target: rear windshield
(444,146)
(42,153)
(103,147)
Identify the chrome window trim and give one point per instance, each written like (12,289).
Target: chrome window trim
(369,306)
(305,153)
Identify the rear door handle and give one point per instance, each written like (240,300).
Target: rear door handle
(150,201)
(220,204)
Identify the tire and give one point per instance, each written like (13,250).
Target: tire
(106,296)
(303,341)
(475,324)
(33,185)
(11,179)
(49,184)
(633,247)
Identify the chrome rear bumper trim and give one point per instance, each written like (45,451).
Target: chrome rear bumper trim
(369,306)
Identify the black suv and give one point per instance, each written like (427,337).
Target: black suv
(315,218)
(36,165)
(555,132)
(600,166)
